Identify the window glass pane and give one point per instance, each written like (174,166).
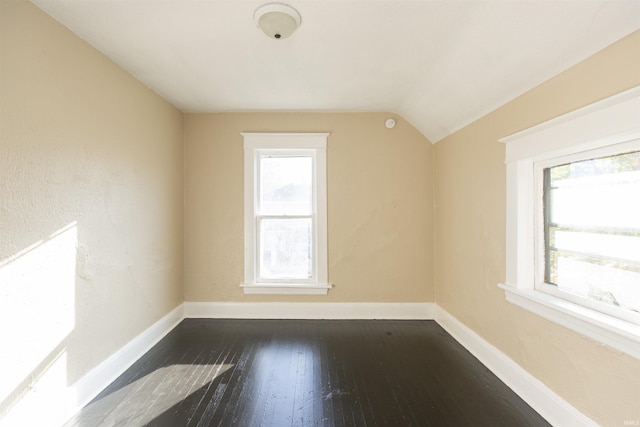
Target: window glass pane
(286,185)
(592,229)
(285,248)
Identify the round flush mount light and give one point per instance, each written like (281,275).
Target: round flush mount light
(277,20)
(390,123)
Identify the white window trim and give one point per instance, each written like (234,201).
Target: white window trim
(253,143)
(612,121)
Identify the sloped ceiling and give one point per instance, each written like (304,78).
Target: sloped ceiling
(440,64)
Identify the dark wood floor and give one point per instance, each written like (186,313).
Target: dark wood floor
(307,373)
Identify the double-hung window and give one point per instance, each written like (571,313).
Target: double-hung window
(573,221)
(285,213)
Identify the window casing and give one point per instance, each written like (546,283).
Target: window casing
(285,213)
(607,128)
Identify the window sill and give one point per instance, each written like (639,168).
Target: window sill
(286,288)
(616,333)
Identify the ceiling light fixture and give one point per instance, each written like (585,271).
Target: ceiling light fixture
(277,20)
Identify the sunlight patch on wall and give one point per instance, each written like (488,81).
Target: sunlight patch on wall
(37,310)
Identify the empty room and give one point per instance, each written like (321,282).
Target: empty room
(319,213)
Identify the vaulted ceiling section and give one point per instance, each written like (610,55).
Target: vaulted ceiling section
(440,64)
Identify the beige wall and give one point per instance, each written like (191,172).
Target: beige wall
(91,190)
(380,204)
(91,222)
(470,243)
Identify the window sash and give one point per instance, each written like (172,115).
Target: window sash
(260,207)
(542,245)
(263,278)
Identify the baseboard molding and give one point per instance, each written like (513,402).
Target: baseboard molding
(548,404)
(281,310)
(105,373)
(49,402)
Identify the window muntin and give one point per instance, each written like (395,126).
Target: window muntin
(591,231)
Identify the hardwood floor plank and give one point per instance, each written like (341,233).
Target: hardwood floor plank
(307,373)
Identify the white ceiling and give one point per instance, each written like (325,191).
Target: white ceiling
(440,64)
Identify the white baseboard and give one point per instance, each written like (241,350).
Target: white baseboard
(281,310)
(51,402)
(58,406)
(548,404)
(92,383)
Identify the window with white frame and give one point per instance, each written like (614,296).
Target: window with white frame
(573,221)
(285,209)
(588,236)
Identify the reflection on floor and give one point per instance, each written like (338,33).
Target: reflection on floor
(307,373)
